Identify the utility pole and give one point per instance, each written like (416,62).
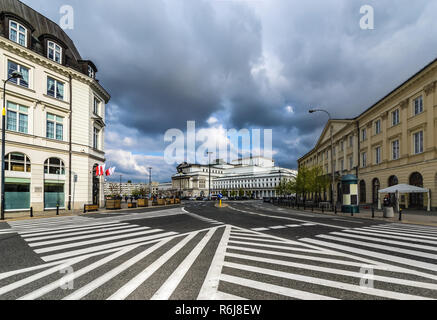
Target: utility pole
(150,182)
(209,174)
(120,186)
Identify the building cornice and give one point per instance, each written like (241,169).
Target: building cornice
(28,54)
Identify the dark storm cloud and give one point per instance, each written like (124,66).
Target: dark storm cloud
(166,62)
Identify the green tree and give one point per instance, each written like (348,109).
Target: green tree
(241,192)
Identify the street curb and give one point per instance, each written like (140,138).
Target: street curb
(429,224)
(83,214)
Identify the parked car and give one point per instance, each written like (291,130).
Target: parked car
(225,198)
(199,198)
(205,199)
(192,199)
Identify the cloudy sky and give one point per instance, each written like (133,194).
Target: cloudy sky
(241,64)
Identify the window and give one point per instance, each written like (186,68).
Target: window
(96,138)
(418,142)
(54,166)
(351,163)
(395,117)
(378,155)
(418,105)
(17,118)
(342,146)
(55,127)
(363,134)
(17,33)
(24,82)
(96,105)
(54,52)
(55,88)
(364,159)
(378,126)
(91,72)
(395,149)
(17,162)
(351,141)
(342,165)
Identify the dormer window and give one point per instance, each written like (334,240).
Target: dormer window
(91,72)
(54,52)
(17,33)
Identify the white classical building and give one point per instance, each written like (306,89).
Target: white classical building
(257,177)
(55,115)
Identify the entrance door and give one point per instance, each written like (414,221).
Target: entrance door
(416,199)
(54,195)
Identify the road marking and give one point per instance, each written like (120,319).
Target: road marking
(288,292)
(326,283)
(69,229)
(56,236)
(73,253)
(417,284)
(89,236)
(170,285)
(383,256)
(260,229)
(278,227)
(138,280)
(211,283)
(390,236)
(345,220)
(89,242)
(293,225)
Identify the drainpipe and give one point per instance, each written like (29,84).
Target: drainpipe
(359,148)
(70,143)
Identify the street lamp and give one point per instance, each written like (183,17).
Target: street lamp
(209,174)
(332,153)
(14,75)
(150,182)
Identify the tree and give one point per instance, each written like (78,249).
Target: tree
(114,190)
(224,192)
(241,192)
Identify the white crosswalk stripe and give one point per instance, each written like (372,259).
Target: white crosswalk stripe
(245,265)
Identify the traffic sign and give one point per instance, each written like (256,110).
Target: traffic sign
(220,196)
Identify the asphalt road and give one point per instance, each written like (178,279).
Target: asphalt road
(249,250)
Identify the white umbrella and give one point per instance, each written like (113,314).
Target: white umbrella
(405,188)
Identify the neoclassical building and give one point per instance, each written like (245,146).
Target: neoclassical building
(394,141)
(55,115)
(258,177)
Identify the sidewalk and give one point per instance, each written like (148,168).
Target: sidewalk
(25,215)
(408,216)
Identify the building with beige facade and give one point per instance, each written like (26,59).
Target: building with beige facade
(55,115)
(394,141)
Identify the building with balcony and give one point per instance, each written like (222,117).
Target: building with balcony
(55,115)
(394,141)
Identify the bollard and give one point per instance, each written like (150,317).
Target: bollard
(400,214)
(312,208)
(335,209)
(57,209)
(323,209)
(31,212)
(84,208)
(304,206)
(373,212)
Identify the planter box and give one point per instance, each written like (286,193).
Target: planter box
(132,205)
(161,202)
(143,203)
(113,204)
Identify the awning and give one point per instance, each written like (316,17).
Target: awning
(404,188)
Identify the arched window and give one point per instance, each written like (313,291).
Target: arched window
(17,33)
(416,199)
(392,181)
(54,52)
(17,162)
(375,188)
(362,191)
(54,166)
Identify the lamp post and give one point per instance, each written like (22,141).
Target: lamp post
(150,182)
(14,75)
(120,186)
(332,153)
(209,174)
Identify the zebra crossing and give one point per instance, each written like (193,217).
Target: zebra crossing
(204,219)
(242,264)
(309,224)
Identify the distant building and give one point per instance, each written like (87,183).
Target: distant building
(257,177)
(128,188)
